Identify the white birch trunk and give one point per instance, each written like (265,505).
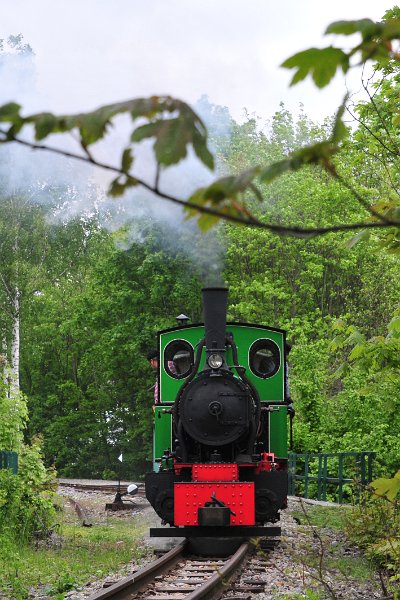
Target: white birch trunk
(15,343)
(15,338)
(4,359)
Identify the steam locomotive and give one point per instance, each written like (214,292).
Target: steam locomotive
(220,428)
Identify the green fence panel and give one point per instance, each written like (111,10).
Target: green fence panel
(9,460)
(321,475)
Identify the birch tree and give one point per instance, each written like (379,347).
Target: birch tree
(22,252)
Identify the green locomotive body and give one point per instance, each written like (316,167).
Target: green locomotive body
(182,342)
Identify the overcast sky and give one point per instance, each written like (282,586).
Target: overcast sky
(93,52)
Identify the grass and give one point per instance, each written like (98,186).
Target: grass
(307,594)
(78,555)
(334,518)
(354,567)
(331,517)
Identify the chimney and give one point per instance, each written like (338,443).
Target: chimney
(215,302)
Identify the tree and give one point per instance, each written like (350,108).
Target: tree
(22,252)
(307,286)
(84,359)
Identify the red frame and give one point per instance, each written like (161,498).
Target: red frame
(238,496)
(215,472)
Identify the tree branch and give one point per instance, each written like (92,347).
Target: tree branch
(382,120)
(361,201)
(384,165)
(393,152)
(301,232)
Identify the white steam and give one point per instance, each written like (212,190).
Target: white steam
(70,188)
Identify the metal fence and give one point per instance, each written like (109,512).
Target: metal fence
(9,460)
(329,476)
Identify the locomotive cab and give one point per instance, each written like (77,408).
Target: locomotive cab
(221,427)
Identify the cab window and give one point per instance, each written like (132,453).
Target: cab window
(264,358)
(178,359)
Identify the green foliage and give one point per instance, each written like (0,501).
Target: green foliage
(75,556)
(307,594)
(64,583)
(90,310)
(322,63)
(224,194)
(14,415)
(88,379)
(387,488)
(323,516)
(308,289)
(97,308)
(369,373)
(375,524)
(26,507)
(230,194)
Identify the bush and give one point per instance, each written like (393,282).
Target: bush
(375,525)
(26,499)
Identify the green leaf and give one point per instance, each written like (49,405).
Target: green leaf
(389,488)
(394,325)
(339,324)
(93,126)
(127,160)
(116,188)
(119,185)
(171,144)
(200,147)
(320,63)
(225,196)
(15,128)
(340,131)
(355,337)
(357,351)
(171,139)
(206,222)
(45,124)
(9,112)
(396,119)
(319,153)
(230,186)
(148,130)
(341,371)
(366,27)
(277,169)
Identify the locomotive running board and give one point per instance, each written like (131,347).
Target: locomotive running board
(237,531)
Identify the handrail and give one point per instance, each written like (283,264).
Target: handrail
(330,471)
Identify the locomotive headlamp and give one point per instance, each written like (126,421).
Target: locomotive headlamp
(215,361)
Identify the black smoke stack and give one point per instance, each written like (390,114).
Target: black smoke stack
(215,303)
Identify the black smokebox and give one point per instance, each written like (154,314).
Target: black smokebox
(215,302)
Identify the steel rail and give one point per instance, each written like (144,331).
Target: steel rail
(106,487)
(133,583)
(218,580)
(211,587)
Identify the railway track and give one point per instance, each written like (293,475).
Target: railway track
(177,575)
(107,486)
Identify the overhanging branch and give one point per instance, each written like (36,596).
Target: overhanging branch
(301,232)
